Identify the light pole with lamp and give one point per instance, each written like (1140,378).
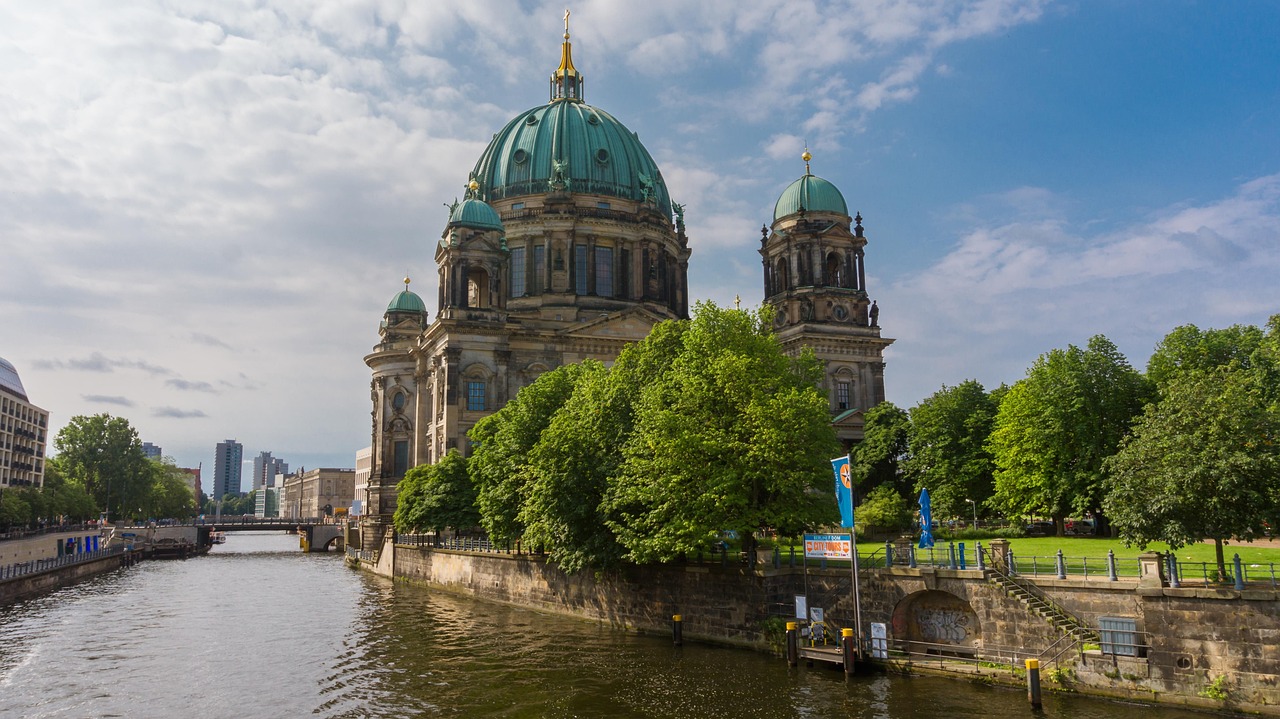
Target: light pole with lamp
(975,512)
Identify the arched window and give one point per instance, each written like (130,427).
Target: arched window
(477,287)
(831,276)
(782,276)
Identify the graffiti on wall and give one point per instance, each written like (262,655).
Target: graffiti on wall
(943,626)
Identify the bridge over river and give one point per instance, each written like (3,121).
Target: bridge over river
(317,534)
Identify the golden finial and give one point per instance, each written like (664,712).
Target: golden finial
(566,23)
(406,283)
(473,185)
(806,157)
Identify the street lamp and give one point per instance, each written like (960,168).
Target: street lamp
(975,512)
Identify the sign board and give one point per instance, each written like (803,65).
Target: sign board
(801,603)
(879,641)
(816,614)
(829,546)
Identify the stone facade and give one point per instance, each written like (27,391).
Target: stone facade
(24,430)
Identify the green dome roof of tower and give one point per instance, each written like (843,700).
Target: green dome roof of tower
(812,193)
(407,301)
(475,214)
(569,145)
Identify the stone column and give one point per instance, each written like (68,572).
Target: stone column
(1151,569)
(1000,554)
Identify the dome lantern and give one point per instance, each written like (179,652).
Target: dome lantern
(566,81)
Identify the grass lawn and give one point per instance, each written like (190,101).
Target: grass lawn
(1036,555)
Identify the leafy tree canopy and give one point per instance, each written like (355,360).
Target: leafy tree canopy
(437,496)
(103,455)
(949,455)
(884,510)
(1203,462)
(1055,427)
(878,458)
(1191,349)
(735,436)
(502,443)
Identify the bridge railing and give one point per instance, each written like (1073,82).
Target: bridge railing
(36,566)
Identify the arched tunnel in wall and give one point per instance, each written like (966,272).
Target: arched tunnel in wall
(936,622)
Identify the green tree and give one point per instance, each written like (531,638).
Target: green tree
(884,510)
(437,496)
(1055,427)
(169,497)
(949,455)
(878,458)
(14,510)
(1203,462)
(735,436)
(103,455)
(1191,349)
(500,463)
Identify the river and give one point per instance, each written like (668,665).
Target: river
(258,629)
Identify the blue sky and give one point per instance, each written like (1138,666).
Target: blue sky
(205,206)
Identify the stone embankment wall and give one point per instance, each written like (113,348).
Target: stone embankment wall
(724,604)
(31,585)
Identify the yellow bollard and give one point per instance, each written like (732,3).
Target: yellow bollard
(677,629)
(848,646)
(793,643)
(1033,682)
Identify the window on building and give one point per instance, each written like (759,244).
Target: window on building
(539,269)
(604,271)
(580,268)
(475,396)
(400,462)
(842,395)
(517,272)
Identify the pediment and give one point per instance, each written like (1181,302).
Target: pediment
(631,324)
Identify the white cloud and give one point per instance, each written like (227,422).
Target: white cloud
(1007,293)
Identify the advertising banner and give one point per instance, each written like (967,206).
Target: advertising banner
(829,546)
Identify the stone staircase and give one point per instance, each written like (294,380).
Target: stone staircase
(1038,604)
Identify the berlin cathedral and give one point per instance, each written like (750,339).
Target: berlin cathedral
(567,246)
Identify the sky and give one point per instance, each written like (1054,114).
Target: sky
(206,205)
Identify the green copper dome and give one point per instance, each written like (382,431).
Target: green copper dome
(475,214)
(812,193)
(407,301)
(569,145)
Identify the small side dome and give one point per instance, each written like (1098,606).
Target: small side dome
(407,302)
(812,193)
(477,215)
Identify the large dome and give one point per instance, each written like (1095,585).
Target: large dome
(597,154)
(812,193)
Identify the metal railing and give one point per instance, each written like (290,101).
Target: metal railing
(36,566)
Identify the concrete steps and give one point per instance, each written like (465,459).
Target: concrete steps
(1038,605)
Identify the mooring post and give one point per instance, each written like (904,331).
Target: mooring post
(977,550)
(1062,566)
(951,549)
(1172,562)
(848,648)
(888,554)
(677,630)
(1239,573)
(1111,565)
(911,556)
(793,643)
(1033,682)
(962,560)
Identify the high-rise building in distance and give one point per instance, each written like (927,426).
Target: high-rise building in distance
(152,451)
(265,469)
(226,469)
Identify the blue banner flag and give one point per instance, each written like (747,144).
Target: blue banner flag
(844,490)
(926,520)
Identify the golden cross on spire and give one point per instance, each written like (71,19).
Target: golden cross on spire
(566,23)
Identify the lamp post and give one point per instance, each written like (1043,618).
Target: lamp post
(975,512)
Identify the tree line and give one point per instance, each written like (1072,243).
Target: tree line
(705,426)
(99,467)
(1187,451)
